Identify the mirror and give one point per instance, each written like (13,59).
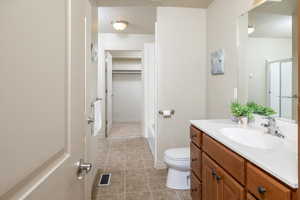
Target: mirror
(268,57)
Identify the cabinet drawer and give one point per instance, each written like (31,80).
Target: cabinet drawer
(196,136)
(196,161)
(264,187)
(196,188)
(229,160)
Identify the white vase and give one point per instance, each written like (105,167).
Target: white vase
(243,121)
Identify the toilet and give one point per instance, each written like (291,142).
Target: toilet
(178,162)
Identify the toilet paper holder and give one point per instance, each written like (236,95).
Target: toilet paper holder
(166,113)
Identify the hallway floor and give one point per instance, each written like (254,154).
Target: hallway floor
(126,130)
(133,175)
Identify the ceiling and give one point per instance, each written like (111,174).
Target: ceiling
(155,3)
(141,19)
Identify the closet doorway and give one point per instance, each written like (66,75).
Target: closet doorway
(124,93)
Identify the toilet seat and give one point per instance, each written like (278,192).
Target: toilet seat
(178,154)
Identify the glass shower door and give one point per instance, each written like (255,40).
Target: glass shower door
(286,97)
(280,87)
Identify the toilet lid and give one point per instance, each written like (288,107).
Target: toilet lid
(178,153)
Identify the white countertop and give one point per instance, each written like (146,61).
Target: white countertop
(281,162)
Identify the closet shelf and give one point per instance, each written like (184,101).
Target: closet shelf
(127,54)
(127,72)
(127,68)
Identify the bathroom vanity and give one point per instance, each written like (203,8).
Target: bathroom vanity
(224,169)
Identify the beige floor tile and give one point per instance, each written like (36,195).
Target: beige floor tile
(136,185)
(110,197)
(125,130)
(157,173)
(134,164)
(138,196)
(184,194)
(131,163)
(116,187)
(148,164)
(165,195)
(157,184)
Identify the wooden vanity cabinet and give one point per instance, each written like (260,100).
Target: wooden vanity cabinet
(196,136)
(196,160)
(196,187)
(250,197)
(196,163)
(218,184)
(217,173)
(265,187)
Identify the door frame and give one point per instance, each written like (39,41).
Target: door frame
(102,84)
(108,125)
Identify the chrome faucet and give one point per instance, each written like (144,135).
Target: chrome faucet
(272,127)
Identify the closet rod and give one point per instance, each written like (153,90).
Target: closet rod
(124,72)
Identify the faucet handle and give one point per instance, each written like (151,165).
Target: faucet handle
(265,125)
(269,118)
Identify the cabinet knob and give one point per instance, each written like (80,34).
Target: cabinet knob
(194,135)
(261,190)
(213,173)
(194,159)
(218,178)
(194,190)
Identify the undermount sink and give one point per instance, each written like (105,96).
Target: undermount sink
(251,137)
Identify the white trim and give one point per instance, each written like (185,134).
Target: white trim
(156,97)
(36,182)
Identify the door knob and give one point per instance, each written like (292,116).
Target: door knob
(83,169)
(261,190)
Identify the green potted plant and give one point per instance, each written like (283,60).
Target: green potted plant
(242,113)
(260,109)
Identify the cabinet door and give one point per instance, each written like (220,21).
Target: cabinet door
(228,188)
(217,184)
(195,188)
(250,197)
(196,160)
(209,183)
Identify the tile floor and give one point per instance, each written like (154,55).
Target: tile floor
(126,130)
(133,176)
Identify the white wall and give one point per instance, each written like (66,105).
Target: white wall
(258,51)
(222,21)
(127,98)
(181,49)
(112,41)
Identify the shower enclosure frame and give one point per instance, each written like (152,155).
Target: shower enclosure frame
(268,83)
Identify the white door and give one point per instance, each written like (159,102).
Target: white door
(91,75)
(181,55)
(41,99)
(109,92)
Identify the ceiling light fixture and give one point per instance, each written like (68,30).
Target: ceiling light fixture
(120,25)
(251,29)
